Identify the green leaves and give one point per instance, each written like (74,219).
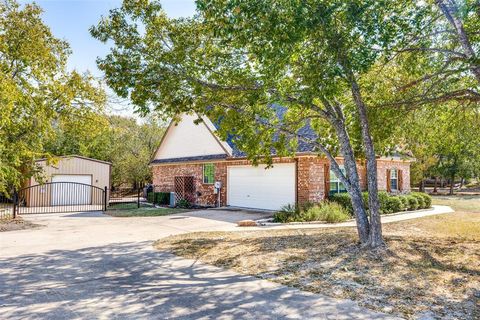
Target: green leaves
(36,91)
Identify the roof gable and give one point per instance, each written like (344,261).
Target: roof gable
(186,139)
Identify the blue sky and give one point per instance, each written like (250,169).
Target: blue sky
(71,19)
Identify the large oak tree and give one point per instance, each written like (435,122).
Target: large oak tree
(234,59)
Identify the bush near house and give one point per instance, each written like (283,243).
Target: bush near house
(388,203)
(161,198)
(329,212)
(184,204)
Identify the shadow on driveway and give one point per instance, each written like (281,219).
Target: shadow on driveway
(227,215)
(133,281)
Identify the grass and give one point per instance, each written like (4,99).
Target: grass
(431,265)
(7,224)
(144,211)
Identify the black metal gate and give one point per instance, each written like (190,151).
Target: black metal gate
(55,197)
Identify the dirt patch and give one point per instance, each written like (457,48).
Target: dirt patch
(16,224)
(431,266)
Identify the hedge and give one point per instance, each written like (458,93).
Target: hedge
(388,203)
(161,198)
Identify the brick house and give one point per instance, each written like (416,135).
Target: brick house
(191,158)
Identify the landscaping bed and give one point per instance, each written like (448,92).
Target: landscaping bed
(339,207)
(431,267)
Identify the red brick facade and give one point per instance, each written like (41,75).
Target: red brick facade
(404,171)
(312,175)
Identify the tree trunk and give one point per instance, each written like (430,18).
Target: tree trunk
(452,183)
(435,185)
(375,236)
(450,10)
(461,182)
(421,185)
(353,179)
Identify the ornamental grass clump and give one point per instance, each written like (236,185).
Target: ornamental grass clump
(329,212)
(288,213)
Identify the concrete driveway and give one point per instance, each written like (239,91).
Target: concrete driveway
(89,265)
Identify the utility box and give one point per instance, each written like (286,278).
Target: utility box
(173,202)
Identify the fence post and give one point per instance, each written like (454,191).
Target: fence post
(105,193)
(138,198)
(15,197)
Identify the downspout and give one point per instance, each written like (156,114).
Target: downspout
(296,181)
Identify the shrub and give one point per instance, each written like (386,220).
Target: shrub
(412,202)
(421,202)
(383,201)
(427,200)
(365,199)
(150,197)
(388,203)
(404,200)
(333,212)
(304,206)
(313,214)
(344,200)
(288,213)
(162,198)
(183,203)
(329,212)
(393,204)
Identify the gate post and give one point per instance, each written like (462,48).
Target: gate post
(138,198)
(105,192)
(15,198)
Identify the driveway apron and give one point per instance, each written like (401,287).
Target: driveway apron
(92,266)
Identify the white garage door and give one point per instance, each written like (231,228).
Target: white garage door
(257,187)
(77,193)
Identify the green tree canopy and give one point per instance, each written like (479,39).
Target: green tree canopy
(35,89)
(132,145)
(234,59)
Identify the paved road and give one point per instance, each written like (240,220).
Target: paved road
(91,266)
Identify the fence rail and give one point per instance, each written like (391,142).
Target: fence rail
(126,198)
(54,197)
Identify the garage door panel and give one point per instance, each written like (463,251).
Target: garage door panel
(71,190)
(257,187)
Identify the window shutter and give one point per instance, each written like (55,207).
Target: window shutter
(389,187)
(400,180)
(326,179)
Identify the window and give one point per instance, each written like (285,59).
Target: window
(208,173)
(335,185)
(394,179)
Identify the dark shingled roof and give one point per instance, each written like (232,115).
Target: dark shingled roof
(187,159)
(280,111)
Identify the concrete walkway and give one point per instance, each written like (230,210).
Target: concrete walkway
(88,265)
(408,215)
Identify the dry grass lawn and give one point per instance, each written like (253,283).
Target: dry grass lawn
(16,224)
(431,267)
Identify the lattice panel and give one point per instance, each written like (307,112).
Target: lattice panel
(185,188)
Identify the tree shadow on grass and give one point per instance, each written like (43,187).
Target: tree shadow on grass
(329,262)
